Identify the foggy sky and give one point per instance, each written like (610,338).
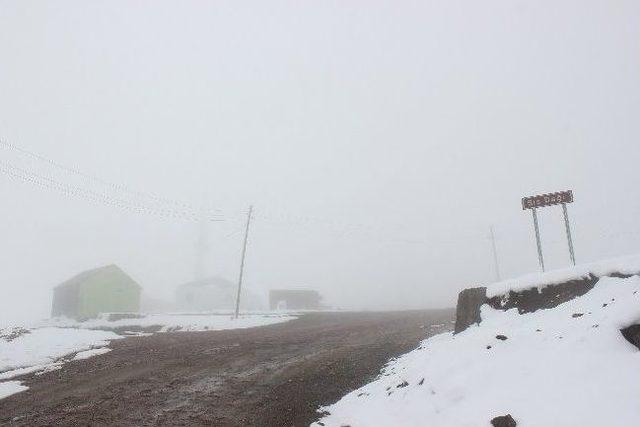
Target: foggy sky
(377,140)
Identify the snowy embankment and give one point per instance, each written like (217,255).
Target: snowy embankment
(49,345)
(566,366)
(177,322)
(627,266)
(36,349)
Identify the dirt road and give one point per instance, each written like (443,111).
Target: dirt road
(271,376)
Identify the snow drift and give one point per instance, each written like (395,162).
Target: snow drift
(569,365)
(625,266)
(175,322)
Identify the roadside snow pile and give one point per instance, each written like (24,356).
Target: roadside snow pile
(569,365)
(42,350)
(90,353)
(627,266)
(177,322)
(11,387)
(45,345)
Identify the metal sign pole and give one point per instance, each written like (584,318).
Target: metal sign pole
(535,226)
(550,199)
(568,229)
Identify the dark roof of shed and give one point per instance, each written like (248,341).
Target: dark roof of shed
(76,280)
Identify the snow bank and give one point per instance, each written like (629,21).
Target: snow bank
(40,350)
(177,322)
(11,387)
(564,366)
(45,345)
(626,265)
(90,353)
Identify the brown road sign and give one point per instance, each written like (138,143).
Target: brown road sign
(549,199)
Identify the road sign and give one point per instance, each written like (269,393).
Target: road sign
(549,199)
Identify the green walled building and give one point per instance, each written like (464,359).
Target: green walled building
(101,290)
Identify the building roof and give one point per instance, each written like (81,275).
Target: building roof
(78,279)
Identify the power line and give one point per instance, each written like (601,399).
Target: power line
(113,186)
(95,197)
(167,208)
(339,227)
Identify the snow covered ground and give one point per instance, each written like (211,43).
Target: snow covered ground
(8,388)
(629,265)
(567,366)
(43,346)
(178,322)
(46,346)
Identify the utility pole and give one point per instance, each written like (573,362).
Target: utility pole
(202,246)
(495,253)
(244,252)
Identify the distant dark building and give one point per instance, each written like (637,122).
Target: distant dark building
(101,290)
(294,299)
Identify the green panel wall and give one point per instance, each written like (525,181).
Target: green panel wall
(106,292)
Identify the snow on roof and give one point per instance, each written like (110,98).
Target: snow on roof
(628,265)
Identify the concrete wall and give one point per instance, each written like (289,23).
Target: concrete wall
(468,308)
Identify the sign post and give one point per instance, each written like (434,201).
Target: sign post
(543,200)
(537,230)
(567,228)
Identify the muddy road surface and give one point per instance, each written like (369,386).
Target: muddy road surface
(269,376)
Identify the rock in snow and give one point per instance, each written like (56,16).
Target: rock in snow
(504,421)
(632,334)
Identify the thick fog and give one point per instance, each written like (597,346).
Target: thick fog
(377,141)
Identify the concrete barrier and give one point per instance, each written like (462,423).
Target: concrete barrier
(468,308)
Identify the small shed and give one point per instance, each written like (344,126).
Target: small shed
(215,294)
(294,299)
(101,290)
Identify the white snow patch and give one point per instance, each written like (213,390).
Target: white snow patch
(90,353)
(42,349)
(8,388)
(178,322)
(553,369)
(38,369)
(44,346)
(629,265)
(136,334)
